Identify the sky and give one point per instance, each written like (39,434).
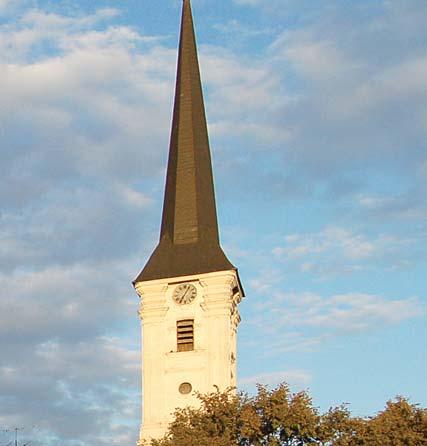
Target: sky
(317,116)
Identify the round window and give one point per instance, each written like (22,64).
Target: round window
(185,388)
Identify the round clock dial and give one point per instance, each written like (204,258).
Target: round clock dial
(184,293)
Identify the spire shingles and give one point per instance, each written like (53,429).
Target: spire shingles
(189,241)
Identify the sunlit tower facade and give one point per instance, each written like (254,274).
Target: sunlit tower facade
(189,290)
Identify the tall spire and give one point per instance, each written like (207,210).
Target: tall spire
(189,241)
(189,207)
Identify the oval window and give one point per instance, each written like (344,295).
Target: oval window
(185,388)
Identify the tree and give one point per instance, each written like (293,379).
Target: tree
(399,424)
(279,417)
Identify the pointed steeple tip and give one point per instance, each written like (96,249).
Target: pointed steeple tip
(189,240)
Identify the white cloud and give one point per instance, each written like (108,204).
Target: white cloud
(247,2)
(85,108)
(133,197)
(45,20)
(336,250)
(296,342)
(273,6)
(60,358)
(354,103)
(78,102)
(320,61)
(353,246)
(242,87)
(36,28)
(79,225)
(5,4)
(407,206)
(297,378)
(302,322)
(68,205)
(236,29)
(73,392)
(351,312)
(74,291)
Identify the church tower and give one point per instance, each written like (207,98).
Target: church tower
(189,290)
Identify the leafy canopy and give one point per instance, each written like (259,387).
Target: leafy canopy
(279,417)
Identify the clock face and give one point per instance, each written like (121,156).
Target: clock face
(184,293)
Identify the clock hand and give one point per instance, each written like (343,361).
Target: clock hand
(181,297)
(185,293)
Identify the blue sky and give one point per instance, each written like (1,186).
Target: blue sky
(318,121)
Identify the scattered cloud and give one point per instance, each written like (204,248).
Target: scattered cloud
(298,378)
(404,207)
(6,4)
(348,101)
(352,312)
(85,108)
(67,373)
(242,88)
(247,2)
(336,250)
(74,291)
(73,93)
(240,31)
(303,322)
(74,226)
(78,392)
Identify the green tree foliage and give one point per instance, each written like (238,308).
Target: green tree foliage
(279,417)
(399,424)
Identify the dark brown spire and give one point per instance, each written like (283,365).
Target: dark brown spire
(189,241)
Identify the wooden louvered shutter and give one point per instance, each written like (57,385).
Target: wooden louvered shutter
(185,335)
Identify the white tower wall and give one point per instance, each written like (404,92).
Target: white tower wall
(212,363)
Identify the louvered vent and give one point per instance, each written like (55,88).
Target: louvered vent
(185,335)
